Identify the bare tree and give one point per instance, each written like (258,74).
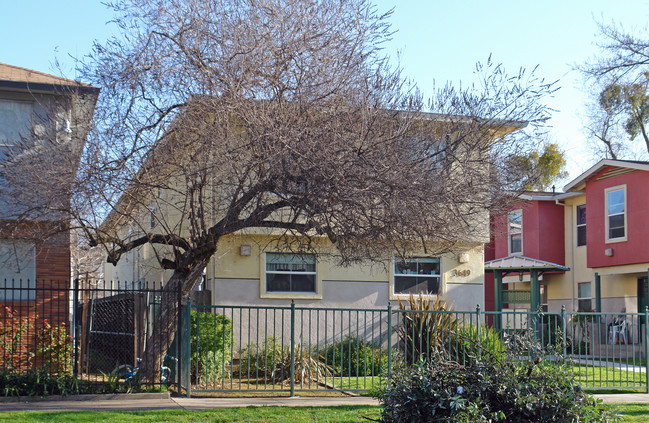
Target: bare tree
(224,116)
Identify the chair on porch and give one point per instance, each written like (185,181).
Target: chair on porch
(617,331)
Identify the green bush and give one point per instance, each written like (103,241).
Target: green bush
(472,344)
(580,330)
(272,361)
(509,388)
(261,361)
(354,357)
(211,343)
(40,382)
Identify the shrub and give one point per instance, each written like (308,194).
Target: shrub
(472,344)
(555,335)
(211,343)
(354,357)
(27,341)
(272,361)
(54,348)
(510,388)
(15,330)
(427,328)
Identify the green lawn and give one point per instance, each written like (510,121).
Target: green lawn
(250,414)
(630,413)
(603,377)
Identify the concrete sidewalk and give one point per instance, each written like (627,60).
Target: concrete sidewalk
(156,402)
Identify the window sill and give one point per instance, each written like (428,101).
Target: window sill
(396,297)
(291,295)
(615,240)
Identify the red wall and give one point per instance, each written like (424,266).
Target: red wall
(634,250)
(543,232)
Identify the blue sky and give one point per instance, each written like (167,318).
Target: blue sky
(439,41)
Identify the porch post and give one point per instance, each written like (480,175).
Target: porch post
(498,299)
(535,289)
(535,301)
(598,293)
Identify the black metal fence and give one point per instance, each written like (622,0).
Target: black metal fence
(98,331)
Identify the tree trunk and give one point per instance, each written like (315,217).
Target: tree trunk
(165,323)
(644,134)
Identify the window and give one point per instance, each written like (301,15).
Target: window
(416,275)
(515,231)
(616,214)
(581,225)
(17,270)
(15,121)
(152,209)
(290,273)
(584,297)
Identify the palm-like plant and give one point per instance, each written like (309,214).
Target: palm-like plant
(428,327)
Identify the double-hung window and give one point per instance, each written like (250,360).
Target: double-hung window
(616,213)
(515,232)
(290,273)
(17,270)
(421,274)
(16,118)
(581,225)
(584,297)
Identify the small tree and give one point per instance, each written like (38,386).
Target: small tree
(619,113)
(233,115)
(541,169)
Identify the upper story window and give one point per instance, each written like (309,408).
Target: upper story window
(290,272)
(616,213)
(17,270)
(581,225)
(419,274)
(15,121)
(515,231)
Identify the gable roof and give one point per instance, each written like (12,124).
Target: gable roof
(21,79)
(521,263)
(578,183)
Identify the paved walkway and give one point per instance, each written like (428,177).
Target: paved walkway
(156,402)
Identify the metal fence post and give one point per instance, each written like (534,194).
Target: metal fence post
(389,340)
(563,329)
(292,348)
(188,346)
(179,341)
(477,326)
(646,344)
(75,327)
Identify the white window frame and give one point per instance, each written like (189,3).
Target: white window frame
(12,286)
(509,234)
(608,216)
(580,225)
(394,275)
(263,282)
(580,298)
